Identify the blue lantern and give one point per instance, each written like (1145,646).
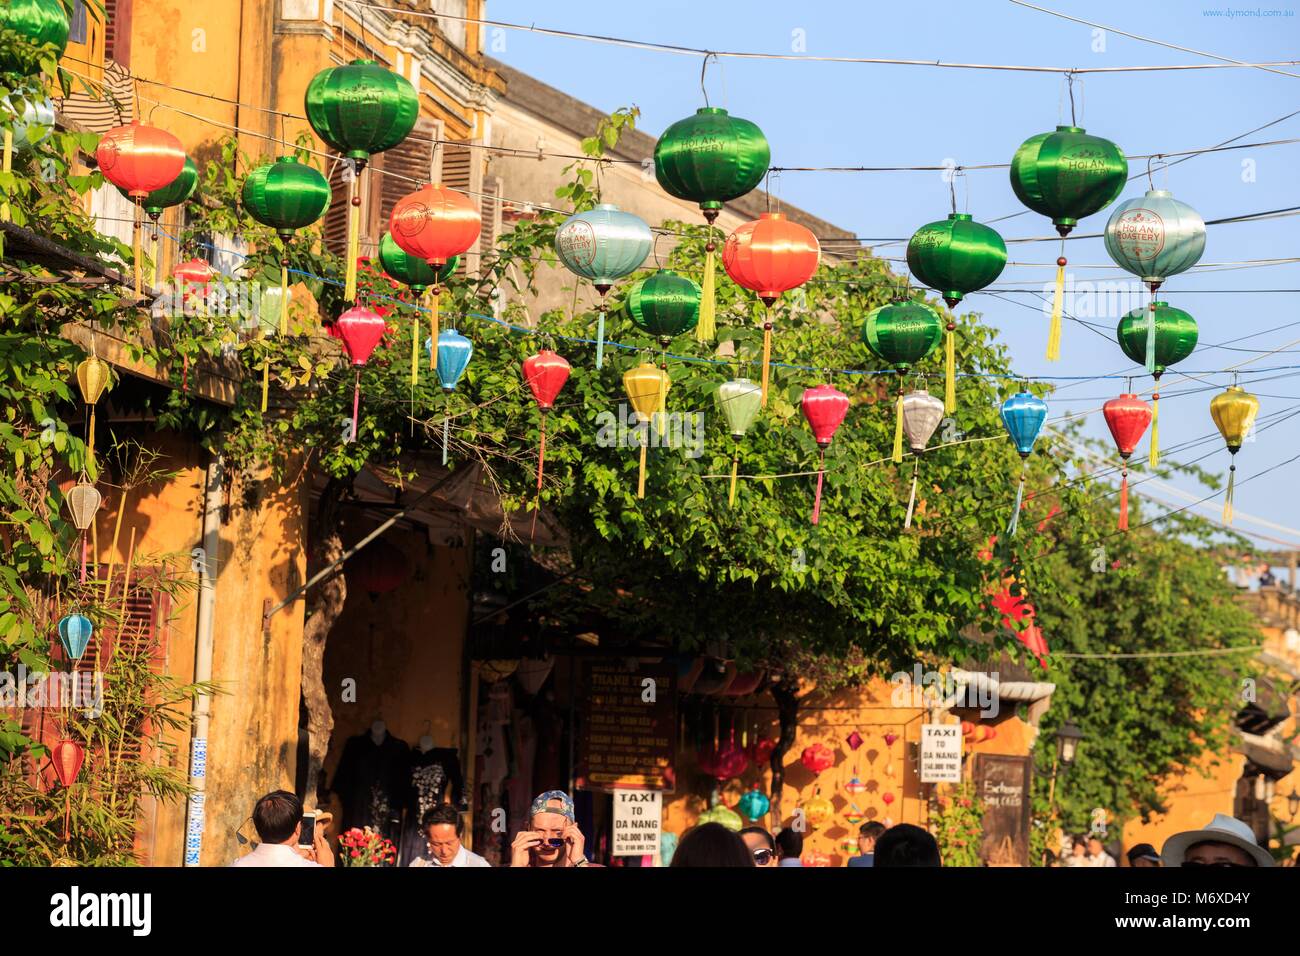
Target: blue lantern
(451,360)
(754,804)
(603,244)
(1023,415)
(75,632)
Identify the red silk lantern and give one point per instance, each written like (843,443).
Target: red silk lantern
(360,329)
(770,256)
(888,798)
(817,757)
(194,272)
(760,751)
(380,568)
(967,728)
(1127,417)
(546,372)
(825,408)
(66,757)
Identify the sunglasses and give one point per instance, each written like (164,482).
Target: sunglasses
(555,841)
(1191,863)
(762,857)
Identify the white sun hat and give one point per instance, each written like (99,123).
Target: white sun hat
(1222,829)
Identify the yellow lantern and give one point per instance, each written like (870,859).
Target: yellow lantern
(1234,412)
(93,376)
(647,390)
(818,810)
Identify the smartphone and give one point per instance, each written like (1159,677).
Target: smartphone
(307,838)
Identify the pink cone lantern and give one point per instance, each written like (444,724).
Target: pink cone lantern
(825,408)
(360,329)
(546,372)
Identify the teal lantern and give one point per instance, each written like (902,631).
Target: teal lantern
(75,632)
(30,127)
(754,804)
(1023,415)
(454,353)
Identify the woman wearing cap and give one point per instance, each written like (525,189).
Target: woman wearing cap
(1225,841)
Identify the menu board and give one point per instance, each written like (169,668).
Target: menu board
(1002,782)
(628,732)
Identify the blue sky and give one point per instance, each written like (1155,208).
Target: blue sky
(819,114)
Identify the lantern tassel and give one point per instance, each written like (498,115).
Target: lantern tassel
(1151,332)
(1123,502)
(90,437)
(1227,498)
(950,371)
(266,381)
(356,408)
(435,321)
(354,240)
(284,297)
(600,335)
(911,501)
(897,454)
(138,244)
(415,352)
(735,470)
(8,168)
(541,460)
(153,258)
(821,474)
(706,328)
(767,355)
(85,555)
(663,398)
(640,482)
(1058,295)
(1154,458)
(1020,496)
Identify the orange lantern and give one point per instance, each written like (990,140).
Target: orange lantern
(770,256)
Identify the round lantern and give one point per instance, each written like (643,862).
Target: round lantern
(40,22)
(818,811)
(418,276)
(174,193)
(1023,415)
(664,305)
(922,413)
(760,751)
(817,757)
(194,272)
(754,804)
(31,126)
(545,374)
(453,357)
(360,329)
(769,256)
(738,401)
(824,407)
(1127,417)
(379,568)
(901,334)
(1155,237)
(955,257)
(1173,340)
(647,390)
(888,798)
(1233,411)
(1066,175)
(711,158)
(75,631)
(602,245)
(720,814)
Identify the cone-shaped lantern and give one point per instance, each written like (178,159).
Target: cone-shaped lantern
(93,376)
(739,401)
(901,334)
(66,757)
(955,257)
(1174,340)
(75,631)
(1066,175)
(825,407)
(602,245)
(1233,411)
(83,500)
(647,390)
(453,358)
(1127,417)
(922,413)
(545,374)
(360,329)
(435,224)
(416,274)
(711,158)
(768,257)
(1023,416)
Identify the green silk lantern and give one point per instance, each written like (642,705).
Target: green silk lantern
(1175,339)
(901,334)
(41,22)
(360,109)
(955,257)
(417,275)
(739,401)
(711,158)
(179,190)
(664,304)
(1066,175)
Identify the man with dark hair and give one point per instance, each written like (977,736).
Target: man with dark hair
(1144,855)
(868,834)
(761,846)
(442,827)
(277,817)
(789,848)
(906,845)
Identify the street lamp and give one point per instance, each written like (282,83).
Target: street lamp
(1067,742)
(1293,803)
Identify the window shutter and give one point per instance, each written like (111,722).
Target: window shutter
(491,212)
(462,169)
(334,229)
(117,30)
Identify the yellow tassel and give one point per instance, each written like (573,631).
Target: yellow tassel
(663,403)
(415,349)
(1227,498)
(434,298)
(91,440)
(735,468)
(1154,458)
(139,253)
(354,243)
(153,261)
(950,377)
(898,431)
(284,299)
(266,381)
(707,326)
(1054,331)
(8,168)
(640,483)
(767,359)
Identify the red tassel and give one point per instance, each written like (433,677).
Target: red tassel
(1123,502)
(817,501)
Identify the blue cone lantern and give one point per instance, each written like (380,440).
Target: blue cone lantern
(603,244)
(754,804)
(1023,415)
(75,632)
(454,353)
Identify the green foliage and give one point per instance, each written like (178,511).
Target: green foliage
(957,825)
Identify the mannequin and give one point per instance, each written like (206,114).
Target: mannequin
(371,780)
(433,778)
(378,731)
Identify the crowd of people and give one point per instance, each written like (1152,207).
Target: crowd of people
(554,839)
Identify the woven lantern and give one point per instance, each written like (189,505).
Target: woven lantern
(647,390)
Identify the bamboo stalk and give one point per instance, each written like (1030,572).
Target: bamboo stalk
(112,551)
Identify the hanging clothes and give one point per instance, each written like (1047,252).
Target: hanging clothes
(372,781)
(433,776)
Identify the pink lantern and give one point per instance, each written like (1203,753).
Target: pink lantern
(889,739)
(360,329)
(888,798)
(825,408)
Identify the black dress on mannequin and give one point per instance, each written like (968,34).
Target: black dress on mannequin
(371,781)
(430,775)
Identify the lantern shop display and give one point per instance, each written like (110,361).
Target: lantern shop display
(1174,340)
(545,374)
(817,757)
(1066,175)
(602,245)
(901,334)
(738,400)
(754,804)
(647,391)
(768,257)
(1233,411)
(453,357)
(922,413)
(824,407)
(710,158)
(1023,416)
(1127,417)
(955,257)
(360,109)
(75,632)
(360,329)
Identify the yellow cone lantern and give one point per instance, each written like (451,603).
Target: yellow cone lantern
(647,390)
(93,376)
(1234,412)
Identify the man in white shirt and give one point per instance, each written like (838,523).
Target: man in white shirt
(277,817)
(1097,855)
(442,828)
